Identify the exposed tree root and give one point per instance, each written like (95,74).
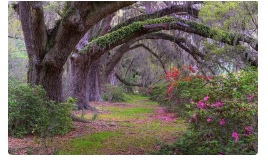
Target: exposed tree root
(76,119)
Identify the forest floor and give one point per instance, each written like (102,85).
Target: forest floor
(127,128)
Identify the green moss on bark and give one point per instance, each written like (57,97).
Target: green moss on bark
(123,32)
(128,30)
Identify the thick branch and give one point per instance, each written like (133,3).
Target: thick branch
(34,30)
(186,8)
(107,42)
(79,18)
(183,44)
(117,56)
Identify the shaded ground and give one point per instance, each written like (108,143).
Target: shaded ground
(134,127)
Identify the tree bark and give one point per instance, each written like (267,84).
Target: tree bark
(78,83)
(99,46)
(48,51)
(91,87)
(94,82)
(185,8)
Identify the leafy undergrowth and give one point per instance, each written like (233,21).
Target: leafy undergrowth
(135,127)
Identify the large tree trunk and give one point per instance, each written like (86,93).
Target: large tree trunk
(78,83)
(48,50)
(49,76)
(51,80)
(111,79)
(94,82)
(92,85)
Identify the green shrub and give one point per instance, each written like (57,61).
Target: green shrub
(115,94)
(29,112)
(193,143)
(222,115)
(157,92)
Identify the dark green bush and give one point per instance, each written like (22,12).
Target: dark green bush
(193,143)
(30,112)
(115,94)
(218,111)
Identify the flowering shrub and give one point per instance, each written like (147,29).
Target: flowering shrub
(180,87)
(222,115)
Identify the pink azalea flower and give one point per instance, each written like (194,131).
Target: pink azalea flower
(235,135)
(190,120)
(194,116)
(209,120)
(248,130)
(250,97)
(219,104)
(222,122)
(200,104)
(206,98)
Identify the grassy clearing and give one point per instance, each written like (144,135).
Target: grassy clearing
(122,113)
(134,137)
(141,139)
(86,145)
(141,100)
(140,97)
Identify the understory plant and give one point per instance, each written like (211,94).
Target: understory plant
(222,113)
(115,94)
(30,112)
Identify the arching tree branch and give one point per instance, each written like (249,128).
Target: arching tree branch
(107,42)
(79,18)
(181,42)
(185,8)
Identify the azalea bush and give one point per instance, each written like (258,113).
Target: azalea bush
(181,87)
(222,114)
(30,112)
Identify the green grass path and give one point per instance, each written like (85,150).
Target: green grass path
(137,130)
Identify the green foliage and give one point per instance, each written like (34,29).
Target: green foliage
(115,94)
(233,16)
(193,143)
(30,112)
(17,61)
(231,107)
(14,24)
(230,15)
